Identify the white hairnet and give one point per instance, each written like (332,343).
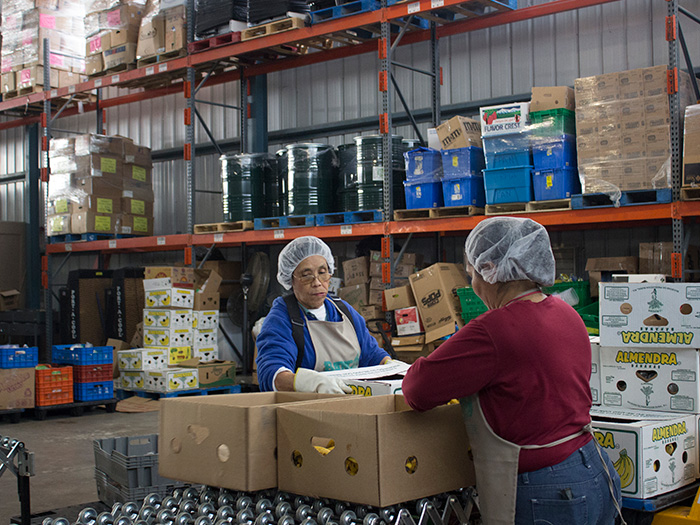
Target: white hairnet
(503,249)
(298,250)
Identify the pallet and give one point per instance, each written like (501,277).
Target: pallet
(506,208)
(690,194)
(234,389)
(85,237)
(628,198)
(348,217)
(23,92)
(291,221)
(160,57)
(340,11)
(75,409)
(550,205)
(215,41)
(272,28)
(116,69)
(237,226)
(437,213)
(13,414)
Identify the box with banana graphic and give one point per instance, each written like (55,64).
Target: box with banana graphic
(663,379)
(155,337)
(205,319)
(653,452)
(132,380)
(172,380)
(650,315)
(163,318)
(205,352)
(137,359)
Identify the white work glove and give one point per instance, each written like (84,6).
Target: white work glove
(306,380)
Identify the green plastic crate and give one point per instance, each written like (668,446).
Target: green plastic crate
(468,300)
(591,317)
(582,289)
(553,122)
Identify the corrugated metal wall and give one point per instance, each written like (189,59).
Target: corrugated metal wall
(480,65)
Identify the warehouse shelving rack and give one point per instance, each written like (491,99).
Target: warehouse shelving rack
(250,59)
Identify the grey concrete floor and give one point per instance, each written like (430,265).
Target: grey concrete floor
(64,460)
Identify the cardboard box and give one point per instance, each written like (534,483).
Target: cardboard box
(691,156)
(178,354)
(159,337)
(205,353)
(356,295)
(16,388)
(372,312)
(34,76)
(655,257)
(661,379)
(135,224)
(401,297)
(139,174)
(139,155)
(416,259)
(69,78)
(92,222)
(631,84)
(117,346)
(658,142)
(163,318)
(375,297)
(212,374)
(8,82)
(650,315)
(374,439)
(151,38)
(181,288)
(504,119)
(601,269)
(205,319)
(356,271)
(139,359)
(132,380)
(118,56)
(94,64)
(409,348)
(595,369)
(661,452)
(172,379)
(408,321)
(459,132)
(544,98)
(10,300)
(655,81)
(98,43)
(401,271)
(175,29)
(224,441)
(435,290)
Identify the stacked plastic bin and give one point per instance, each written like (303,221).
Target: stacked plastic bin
(15,356)
(92,370)
(462,177)
(54,385)
(553,137)
(423,186)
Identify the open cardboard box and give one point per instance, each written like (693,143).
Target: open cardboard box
(373,380)
(224,441)
(381,452)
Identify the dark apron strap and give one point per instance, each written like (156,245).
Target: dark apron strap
(297,327)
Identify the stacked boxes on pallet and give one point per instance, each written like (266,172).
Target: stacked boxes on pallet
(112,28)
(162,30)
(17,376)
(100,184)
(423,187)
(25,26)
(623,129)
(126,469)
(508,173)
(90,363)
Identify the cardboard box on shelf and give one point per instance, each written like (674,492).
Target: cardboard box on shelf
(69,78)
(556,97)
(691,158)
(98,43)
(408,321)
(459,132)
(151,37)
(175,29)
(356,295)
(214,373)
(16,388)
(658,451)
(135,154)
(650,315)
(504,119)
(136,224)
(372,312)
(375,297)
(655,81)
(92,222)
(58,224)
(401,270)
(8,82)
(631,84)
(386,438)
(34,76)
(10,300)
(118,56)
(400,297)
(600,269)
(416,259)
(435,291)
(355,271)
(204,436)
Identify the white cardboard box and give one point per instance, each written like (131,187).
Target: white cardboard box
(205,353)
(373,380)
(205,319)
(157,337)
(162,318)
(142,359)
(664,379)
(505,118)
(161,293)
(660,449)
(172,380)
(207,337)
(595,370)
(132,380)
(650,314)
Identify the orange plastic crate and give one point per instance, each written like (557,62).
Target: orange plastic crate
(54,385)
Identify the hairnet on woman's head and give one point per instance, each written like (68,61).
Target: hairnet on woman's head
(295,252)
(503,249)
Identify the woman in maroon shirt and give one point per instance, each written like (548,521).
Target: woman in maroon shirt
(521,372)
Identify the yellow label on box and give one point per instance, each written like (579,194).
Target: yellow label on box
(141,224)
(104,205)
(103,224)
(61,206)
(138,207)
(108,165)
(138,173)
(57,224)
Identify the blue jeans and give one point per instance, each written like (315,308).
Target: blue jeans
(573,492)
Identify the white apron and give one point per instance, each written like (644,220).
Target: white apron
(336,343)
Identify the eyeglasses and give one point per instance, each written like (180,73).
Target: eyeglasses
(308,278)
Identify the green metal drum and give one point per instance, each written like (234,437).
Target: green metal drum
(243,179)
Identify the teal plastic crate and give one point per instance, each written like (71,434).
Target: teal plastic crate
(508,185)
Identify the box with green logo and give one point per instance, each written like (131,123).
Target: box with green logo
(650,314)
(653,452)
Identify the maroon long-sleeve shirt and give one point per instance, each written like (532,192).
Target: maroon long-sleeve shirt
(531,365)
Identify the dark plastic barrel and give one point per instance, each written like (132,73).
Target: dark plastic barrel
(311,178)
(273,200)
(370,170)
(242,182)
(281,156)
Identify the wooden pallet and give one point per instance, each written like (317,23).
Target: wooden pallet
(114,70)
(551,205)
(23,92)
(161,57)
(511,208)
(437,213)
(272,28)
(237,226)
(690,194)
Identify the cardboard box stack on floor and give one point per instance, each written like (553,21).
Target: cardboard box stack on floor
(180,333)
(100,184)
(25,26)
(649,383)
(163,29)
(622,127)
(111,28)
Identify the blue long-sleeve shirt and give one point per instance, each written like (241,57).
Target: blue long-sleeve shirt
(276,347)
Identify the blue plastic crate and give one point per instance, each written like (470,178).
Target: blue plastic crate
(462,162)
(467,191)
(423,165)
(81,355)
(508,185)
(18,357)
(507,151)
(559,183)
(554,153)
(93,391)
(423,195)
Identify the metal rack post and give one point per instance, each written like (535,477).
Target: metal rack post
(45,175)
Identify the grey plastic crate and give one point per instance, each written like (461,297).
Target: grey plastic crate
(110,492)
(131,462)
